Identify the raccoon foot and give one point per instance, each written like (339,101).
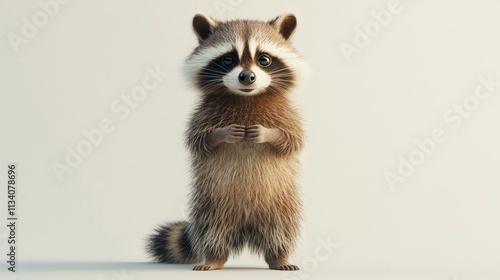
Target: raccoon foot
(209,266)
(287,267)
(281,264)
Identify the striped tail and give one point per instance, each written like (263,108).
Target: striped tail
(170,244)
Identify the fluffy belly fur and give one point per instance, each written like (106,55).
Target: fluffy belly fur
(249,181)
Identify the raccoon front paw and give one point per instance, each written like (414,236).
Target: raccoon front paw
(233,133)
(257,134)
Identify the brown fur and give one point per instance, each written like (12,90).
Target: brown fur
(245,190)
(247,186)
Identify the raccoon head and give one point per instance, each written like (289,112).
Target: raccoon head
(244,57)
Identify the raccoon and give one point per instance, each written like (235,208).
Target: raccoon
(245,138)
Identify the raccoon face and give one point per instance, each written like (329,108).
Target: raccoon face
(244,57)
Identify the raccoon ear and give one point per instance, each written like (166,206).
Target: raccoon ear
(203,26)
(285,24)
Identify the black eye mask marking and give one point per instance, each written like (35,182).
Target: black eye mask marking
(210,76)
(274,66)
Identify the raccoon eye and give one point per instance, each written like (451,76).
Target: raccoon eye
(265,60)
(228,60)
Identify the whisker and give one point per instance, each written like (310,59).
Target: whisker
(213,71)
(219,66)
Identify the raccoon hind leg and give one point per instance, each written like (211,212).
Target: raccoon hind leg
(215,244)
(276,242)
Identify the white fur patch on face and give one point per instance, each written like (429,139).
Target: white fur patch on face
(288,56)
(239,45)
(199,60)
(252,45)
(262,81)
(282,52)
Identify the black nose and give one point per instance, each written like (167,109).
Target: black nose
(247,77)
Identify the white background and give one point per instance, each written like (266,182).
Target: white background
(442,222)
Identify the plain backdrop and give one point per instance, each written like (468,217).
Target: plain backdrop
(362,112)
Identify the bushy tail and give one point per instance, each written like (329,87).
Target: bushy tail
(170,244)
